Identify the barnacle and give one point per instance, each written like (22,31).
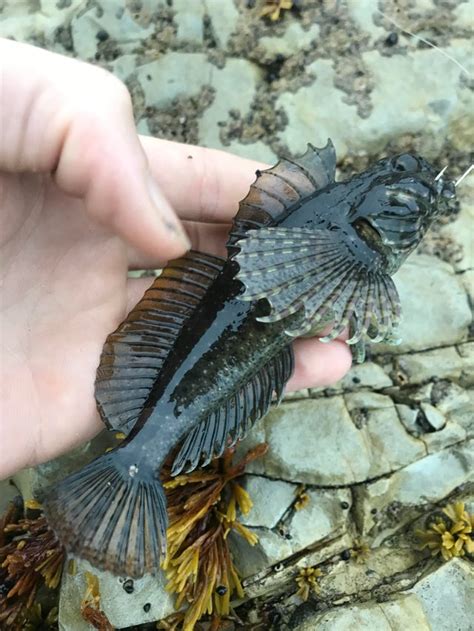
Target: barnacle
(273,8)
(360,551)
(90,606)
(307,581)
(30,556)
(202,509)
(451,537)
(302,498)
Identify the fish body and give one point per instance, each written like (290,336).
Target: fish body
(198,361)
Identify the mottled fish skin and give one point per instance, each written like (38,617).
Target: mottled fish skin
(199,359)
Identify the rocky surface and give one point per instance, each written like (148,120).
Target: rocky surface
(379,452)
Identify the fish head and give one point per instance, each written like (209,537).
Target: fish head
(396,202)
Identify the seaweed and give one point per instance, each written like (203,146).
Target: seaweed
(30,557)
(449,533)
(307,581)
(202,508)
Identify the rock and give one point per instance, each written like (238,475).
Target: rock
(324,517)
(451,434)
(408,416)
(403,612)
(366,375)
(172,76)
(122,608)
(224,16)
(255,150)
(270,498)
(8,491)
(315,113)
(431,317)
(329,448)
(367,400)
(236,72)
(446,363)
(112,19)
(189,18)
(363,14)
(461,229)
(294,39)
(387,503)
(447,595)
(434,417)
(409,98)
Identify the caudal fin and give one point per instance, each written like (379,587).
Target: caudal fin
(112,515)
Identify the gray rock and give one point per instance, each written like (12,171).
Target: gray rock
(189,18)
(408,417)
(435,417)
(366,375)
(445,363)
(447,596)
(173,75)
(317,441)
(431,317)
(324,517)
(427,480)
(461,230)
(404,612)
(363,14)
(8,491)
(117,23)
(235,86)
(121,608)
(451,434)
(367,400)
(270,500)
(294,39)
(224,16)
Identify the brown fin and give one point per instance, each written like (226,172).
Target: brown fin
(286,184)
(111,513)
(316,272)
(232,420)
(134,354)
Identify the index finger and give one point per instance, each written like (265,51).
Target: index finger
(201,184)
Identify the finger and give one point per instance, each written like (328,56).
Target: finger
(64,116)
(204,237)
(211,182)
(316,363)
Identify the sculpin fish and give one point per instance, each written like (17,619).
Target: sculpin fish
(200,358)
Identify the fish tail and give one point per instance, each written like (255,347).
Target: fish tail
(111,513)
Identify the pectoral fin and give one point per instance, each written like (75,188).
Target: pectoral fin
(316,273)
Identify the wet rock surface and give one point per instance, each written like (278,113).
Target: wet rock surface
(381,451)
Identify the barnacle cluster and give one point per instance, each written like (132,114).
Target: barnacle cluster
(307,581)
(202,509)
(449,533)
(302,498)
(30,556)
(273,8)
(360,551)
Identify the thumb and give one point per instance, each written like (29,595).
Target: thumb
(75,120)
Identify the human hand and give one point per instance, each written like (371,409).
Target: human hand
(83,199)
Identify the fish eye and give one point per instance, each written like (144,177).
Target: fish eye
(405,162)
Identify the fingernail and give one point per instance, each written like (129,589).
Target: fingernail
(166,213)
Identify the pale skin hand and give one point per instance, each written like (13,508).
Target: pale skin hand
(76,213)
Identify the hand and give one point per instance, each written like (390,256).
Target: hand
(83,199)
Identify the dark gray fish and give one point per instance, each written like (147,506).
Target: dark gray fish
(199,359)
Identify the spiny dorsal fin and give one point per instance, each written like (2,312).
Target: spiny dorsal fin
(231,421)
(285,185)
(322,275)
(134,354)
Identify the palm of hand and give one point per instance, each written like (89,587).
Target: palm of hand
(64,289)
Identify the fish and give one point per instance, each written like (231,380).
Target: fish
(208,349)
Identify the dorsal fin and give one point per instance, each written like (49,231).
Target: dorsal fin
(231,421)
(134,354)
(285,185)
